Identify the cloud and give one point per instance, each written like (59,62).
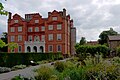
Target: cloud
(90,17)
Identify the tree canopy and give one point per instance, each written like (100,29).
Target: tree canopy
(82,41)
(2,11)
(2,44)
(104,35)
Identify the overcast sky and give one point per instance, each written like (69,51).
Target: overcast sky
(90,17)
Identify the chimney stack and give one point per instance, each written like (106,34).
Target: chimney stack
(64,12)
(9,15)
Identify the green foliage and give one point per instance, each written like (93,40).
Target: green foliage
(82,41)
(44,73)
(85,49)
(21,78)
(12,59)
(59,66)
(4,39)
(12,46)
(2,11)
(2,44)
(4,69)
(118,51)
(104,35)
(16,67)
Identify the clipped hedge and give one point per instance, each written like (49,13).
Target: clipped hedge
(12,59)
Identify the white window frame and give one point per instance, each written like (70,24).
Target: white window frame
(59,37)
(50,27)
(54,18)
(36,38)
(12,38)
(50,50)
(19,37)
(30,38)
(19,29)
(36,29)
(58,48)
(12,29)
(36,21)
(42,37)
(30,29)
(16,21)
(42,28)
(50,37)
(59,26)
(19,50)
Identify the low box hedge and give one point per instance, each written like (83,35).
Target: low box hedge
(12,59)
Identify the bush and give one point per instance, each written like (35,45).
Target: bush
(4,69)
(12,59)
(44,73)
(59,66)
(18,67)
(21,78)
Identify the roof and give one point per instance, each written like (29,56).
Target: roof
(114,38)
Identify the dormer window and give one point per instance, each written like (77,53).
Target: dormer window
(15,21)
(54,18)
(36,21)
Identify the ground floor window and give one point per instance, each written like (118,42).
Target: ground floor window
(50,48)
(19,48)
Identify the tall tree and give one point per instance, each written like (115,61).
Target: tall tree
(82,41)
(2,11)
(4,39)
(104,35)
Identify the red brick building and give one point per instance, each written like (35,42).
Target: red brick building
(37,34)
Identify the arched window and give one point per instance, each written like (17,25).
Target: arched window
(34,49)
(28,49)
(41,49)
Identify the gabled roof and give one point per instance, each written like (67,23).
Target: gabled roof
(114,38)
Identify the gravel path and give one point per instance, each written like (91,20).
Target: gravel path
(27,72)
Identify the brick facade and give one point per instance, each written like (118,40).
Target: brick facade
(36,34)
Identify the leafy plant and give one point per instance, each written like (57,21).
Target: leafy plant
(18,67)
(60,66)
(44,73)
(4,69)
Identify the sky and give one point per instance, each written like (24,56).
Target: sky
(91,17)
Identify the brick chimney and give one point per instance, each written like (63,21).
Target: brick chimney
(64,12)
(9,16)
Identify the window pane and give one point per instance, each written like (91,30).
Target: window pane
(36,29)
(59,27)
(54,18)
(50,36)
(36,21)
(15,21)
(43,28)
(19,29)
(30,29)
(50,48)
(59,48)
(12,38)
(29,38)
(19,48)
(50,27)
(43,38)
(19,37)
(59,37)
(12,29)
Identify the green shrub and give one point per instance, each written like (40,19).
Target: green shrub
(44,73)
(12,59)
(4,69)
(59,66)
(18,67)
